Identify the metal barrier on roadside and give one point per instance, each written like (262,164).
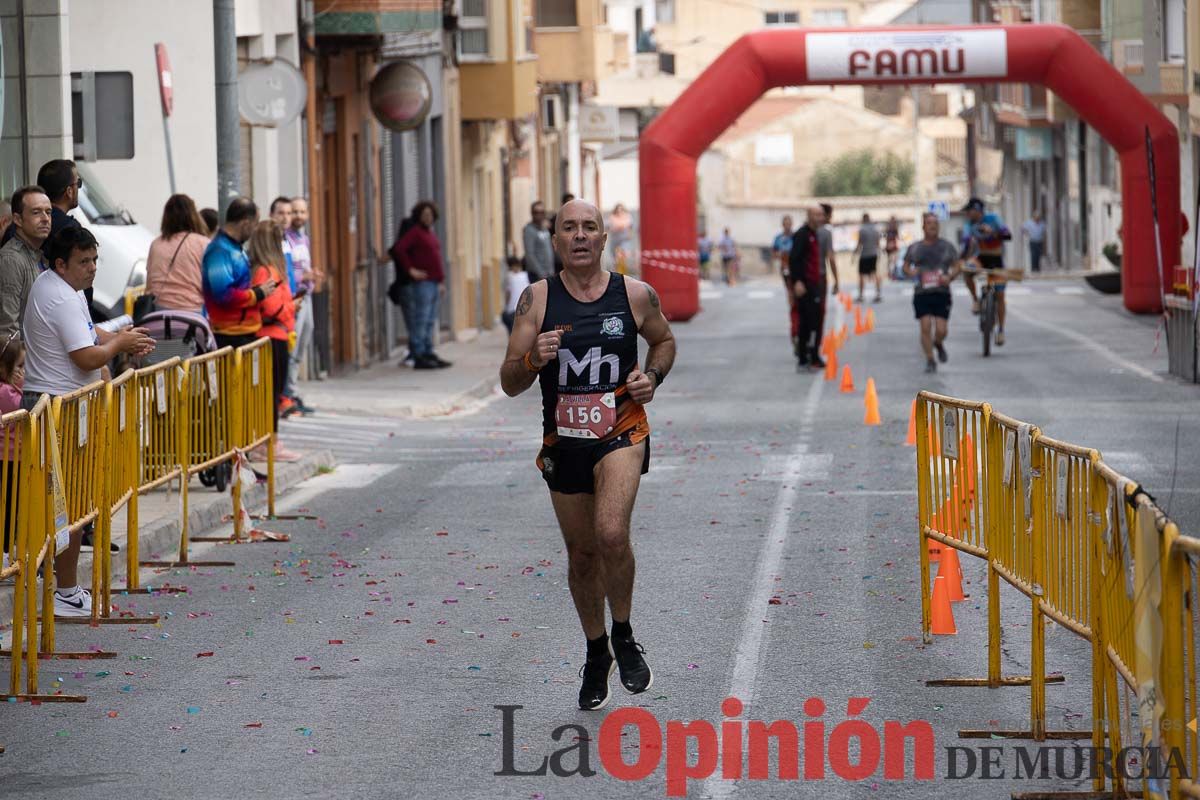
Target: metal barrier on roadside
(1092,553)
(121,471)
(257,411)
(42,527)
(184,412)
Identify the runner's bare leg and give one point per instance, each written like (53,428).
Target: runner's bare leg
(618,476)
(585,567)
(927,323)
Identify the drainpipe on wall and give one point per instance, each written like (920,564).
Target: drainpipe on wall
(226,73)
(574,169)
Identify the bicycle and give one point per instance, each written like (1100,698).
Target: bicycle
(987,297)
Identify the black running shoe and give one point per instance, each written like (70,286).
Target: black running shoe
(816,362)
(941,351)
(931,366)
(594,694)
(636,676)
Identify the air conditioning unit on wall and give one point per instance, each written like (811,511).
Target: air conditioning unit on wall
(552,113)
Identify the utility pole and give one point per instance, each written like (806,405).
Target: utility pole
(225,68)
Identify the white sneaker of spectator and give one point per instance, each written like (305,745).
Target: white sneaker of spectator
(74,602)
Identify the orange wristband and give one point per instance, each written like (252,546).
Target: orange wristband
(529,364)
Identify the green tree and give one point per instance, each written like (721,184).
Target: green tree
(862,173)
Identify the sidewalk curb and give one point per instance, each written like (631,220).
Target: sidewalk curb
(456,402)
(479,391)
(160,537)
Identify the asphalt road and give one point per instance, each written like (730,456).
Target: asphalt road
(777,562)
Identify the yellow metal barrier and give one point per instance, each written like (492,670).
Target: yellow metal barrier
(256,411)
(1094,554)
(131,296)
(186,429)
(121,470)
(41,514)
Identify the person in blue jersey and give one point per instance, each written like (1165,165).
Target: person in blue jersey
(985,234)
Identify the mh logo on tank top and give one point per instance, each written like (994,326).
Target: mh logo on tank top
(586,415)
(582,396)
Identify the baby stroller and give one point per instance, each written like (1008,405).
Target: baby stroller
(185,334)
(178,333)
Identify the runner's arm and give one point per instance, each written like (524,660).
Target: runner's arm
(655,329)
(832,258)
(525,341)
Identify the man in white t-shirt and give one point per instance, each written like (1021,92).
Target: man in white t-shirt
(515,282)
(65,352)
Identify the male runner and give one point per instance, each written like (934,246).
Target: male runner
(576,333)
(985,234)
(935,263)
(781,249)
(866,253)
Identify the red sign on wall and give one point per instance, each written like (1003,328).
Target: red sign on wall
(163,65)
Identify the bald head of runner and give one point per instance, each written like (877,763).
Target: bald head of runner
(816,216)
(579,236)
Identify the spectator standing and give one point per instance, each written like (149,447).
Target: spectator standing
(808,266)
(60,181)
(5,215)
(212,222)
(277,310)
(535,237)
(728,249)
(515,282)
(297,238)
(866,253)
(12,379)
(281,215)
(420,254)
(620,237)
(1035,231)
(64,352)
(558,264)
(704,247)
(176,255)
(230,300)
(21,258)
(891,244)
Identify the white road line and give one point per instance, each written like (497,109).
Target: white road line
(1084,341)
(1068,290)
(750,643)
(761,294)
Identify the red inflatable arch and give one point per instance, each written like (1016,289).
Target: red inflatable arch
(1053,55)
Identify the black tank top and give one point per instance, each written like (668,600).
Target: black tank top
(599,348)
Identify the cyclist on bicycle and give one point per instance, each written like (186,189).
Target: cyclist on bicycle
(985,235)
(934,262)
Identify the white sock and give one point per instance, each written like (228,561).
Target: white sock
(67,591)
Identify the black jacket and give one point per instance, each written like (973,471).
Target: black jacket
(798,257)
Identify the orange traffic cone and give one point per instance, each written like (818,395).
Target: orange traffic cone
(846,302)
(872,402)
(942,614)
(952,569)
(859,327)
(831,365)
(911,438)
(843,335)
(870,320)
(933,545)
(847,380)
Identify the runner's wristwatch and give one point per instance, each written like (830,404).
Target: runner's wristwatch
(658,376)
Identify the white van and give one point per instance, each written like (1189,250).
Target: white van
(124,244)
